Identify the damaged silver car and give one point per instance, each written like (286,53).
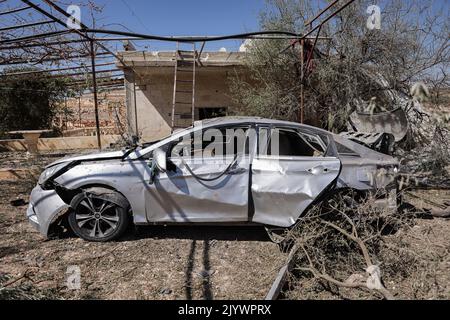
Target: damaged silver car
(248,171)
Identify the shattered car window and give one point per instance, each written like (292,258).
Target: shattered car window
(213,143)
(291,143)
(315,143)
(345,151)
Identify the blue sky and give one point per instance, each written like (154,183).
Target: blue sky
(194,17)
(182,17)
(167,17)
(178,17)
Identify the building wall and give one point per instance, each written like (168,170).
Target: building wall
(80,118)
(150,95)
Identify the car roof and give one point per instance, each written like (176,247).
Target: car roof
(361,150)
(257,120)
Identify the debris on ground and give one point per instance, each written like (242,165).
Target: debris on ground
(18,203)
(411,255)
(156,263)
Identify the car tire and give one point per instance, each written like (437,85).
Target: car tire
(99,215)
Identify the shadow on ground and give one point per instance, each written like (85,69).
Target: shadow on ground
(199,233)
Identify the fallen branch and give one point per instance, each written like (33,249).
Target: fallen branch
(11,282)
(319,228)
(374,280)
(281,278)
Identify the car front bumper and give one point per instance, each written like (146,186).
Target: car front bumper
(44,207)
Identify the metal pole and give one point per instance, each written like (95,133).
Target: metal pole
(27,25)
(193,83)
(36,36)
(328,18)
(175,79)
(302,76)
(65,114)
(51,59)
(94,81)
(52,70)
(310,22)
(79,109)
(136,122)
(62,11)
(311,53)
(14,10)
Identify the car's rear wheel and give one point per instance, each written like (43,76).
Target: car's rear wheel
(99,215)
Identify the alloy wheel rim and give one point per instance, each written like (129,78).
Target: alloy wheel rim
(97,217)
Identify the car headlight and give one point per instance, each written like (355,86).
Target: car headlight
(48,173)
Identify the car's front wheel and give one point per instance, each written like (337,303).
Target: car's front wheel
(99,215)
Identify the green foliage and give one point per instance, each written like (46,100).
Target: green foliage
(270,90)
(29,102)
(355,68)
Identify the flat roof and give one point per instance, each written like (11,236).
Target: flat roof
(168,58)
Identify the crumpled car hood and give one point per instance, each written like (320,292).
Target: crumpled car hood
(93,156)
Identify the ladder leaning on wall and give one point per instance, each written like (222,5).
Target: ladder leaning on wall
(183,105)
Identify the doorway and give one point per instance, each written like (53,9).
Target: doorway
(210,113)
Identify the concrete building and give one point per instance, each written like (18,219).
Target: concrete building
(81,118)
(149,83)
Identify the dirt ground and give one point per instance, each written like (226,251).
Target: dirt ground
(190,262)
(415,260)
(153,263)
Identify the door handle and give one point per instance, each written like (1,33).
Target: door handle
(319,170)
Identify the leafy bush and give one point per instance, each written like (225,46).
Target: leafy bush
(28,102)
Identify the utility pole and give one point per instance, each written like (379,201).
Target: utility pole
(94,80)
(302,78)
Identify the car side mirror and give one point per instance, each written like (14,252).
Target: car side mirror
(159,163)
(160,159)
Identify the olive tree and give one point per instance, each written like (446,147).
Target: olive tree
(29,102)
(357,66)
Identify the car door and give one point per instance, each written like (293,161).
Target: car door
(289,172)
(202,185)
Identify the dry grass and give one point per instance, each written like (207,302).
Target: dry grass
(156,263)
(204,262)
(413,258)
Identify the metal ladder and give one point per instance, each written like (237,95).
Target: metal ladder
(183,105)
